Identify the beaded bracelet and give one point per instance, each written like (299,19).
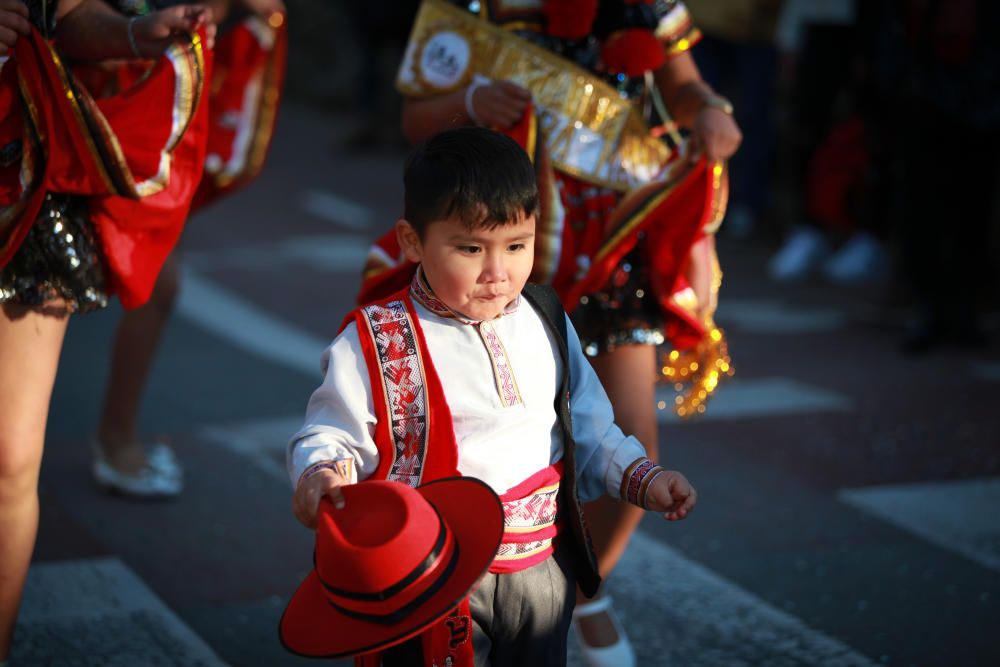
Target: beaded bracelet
(636,480)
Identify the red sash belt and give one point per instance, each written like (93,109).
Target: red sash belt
(530,521)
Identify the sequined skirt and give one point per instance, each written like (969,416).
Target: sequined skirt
(59,259)
(625,312)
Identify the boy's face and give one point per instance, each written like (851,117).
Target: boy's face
(475,272)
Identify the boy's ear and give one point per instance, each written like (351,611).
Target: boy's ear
(409,240)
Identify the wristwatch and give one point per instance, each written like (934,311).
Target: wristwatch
(719,102)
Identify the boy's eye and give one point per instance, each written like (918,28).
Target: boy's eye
(514,247)
(470,249)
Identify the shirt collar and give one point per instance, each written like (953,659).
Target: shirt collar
(422,293)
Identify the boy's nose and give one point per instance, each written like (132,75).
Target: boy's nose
(495,270)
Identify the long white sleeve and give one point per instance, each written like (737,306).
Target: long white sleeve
(498,443)
(340,417)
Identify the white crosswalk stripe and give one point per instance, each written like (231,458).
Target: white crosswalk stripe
(960,516)
(765,316)
(240,322)
(703,619)
(741,398)
(337,209)
(262,442)
(330,253)
(97,611)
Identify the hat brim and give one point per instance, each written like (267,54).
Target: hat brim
(313,628)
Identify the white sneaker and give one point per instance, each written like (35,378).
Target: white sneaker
(804,250)
(619,654)
(161,477)
(859,260)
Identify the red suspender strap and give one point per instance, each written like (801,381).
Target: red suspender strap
(409,401)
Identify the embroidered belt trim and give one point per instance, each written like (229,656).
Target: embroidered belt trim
(590,130)
(405,388)
(530,522)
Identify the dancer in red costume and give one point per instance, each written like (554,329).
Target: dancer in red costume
(248,72)
(626,224)
(91,204)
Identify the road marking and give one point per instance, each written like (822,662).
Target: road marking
(336,209)
(687,615)
(766,316)
(247,326)
(759,397)
(987,371)
(98,611)
(960,516)
(337,253)
(261,441)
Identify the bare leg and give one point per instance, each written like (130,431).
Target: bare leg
(702,274)
(629,377)
(30,342)
(135,345)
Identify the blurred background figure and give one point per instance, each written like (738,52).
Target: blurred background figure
(827,184)
(737,57)
(940,62)
(247,80)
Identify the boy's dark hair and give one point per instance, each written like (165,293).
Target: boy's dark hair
(483,177)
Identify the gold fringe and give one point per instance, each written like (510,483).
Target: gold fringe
(696,373)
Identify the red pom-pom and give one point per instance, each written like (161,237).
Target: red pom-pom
(632,52)
(569,19)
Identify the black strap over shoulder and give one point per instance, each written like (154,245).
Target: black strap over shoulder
(546,301)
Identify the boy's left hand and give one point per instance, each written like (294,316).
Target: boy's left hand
(672,494)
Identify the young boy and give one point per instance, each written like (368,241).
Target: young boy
(469,371)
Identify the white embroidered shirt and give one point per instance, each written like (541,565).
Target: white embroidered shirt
(500,380)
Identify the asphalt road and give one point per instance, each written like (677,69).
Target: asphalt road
(848,495)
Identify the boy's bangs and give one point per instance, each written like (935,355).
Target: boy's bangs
(480,177)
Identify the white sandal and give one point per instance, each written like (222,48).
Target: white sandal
(160,477)
(619,654)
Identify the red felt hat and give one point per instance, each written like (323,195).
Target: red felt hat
(391,563)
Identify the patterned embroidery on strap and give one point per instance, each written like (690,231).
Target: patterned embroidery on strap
(503,374)
(405,388)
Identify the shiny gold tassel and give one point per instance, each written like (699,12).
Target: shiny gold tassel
(696,373)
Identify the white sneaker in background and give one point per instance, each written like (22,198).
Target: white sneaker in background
(801,255)
(860,260)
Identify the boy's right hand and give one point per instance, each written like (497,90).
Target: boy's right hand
(13,23)
(312,489)
(500,104)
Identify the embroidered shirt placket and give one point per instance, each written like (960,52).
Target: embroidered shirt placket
(503,373)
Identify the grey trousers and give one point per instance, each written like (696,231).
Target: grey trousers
(518,620)
(523,618)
